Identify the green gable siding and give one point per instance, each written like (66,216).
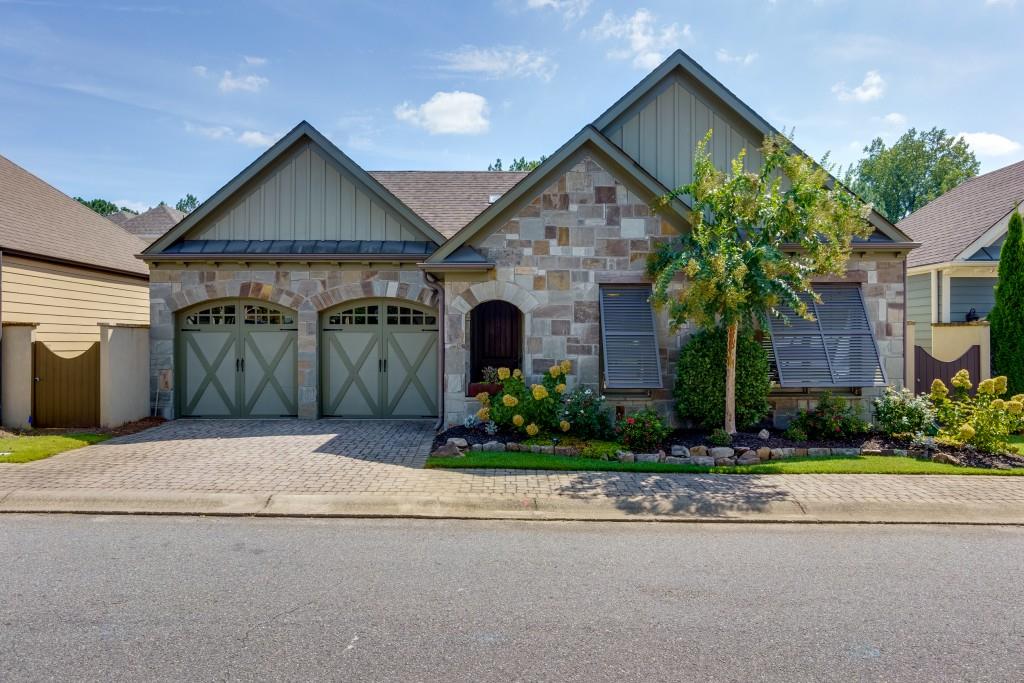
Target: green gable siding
(966,293)
(919,308)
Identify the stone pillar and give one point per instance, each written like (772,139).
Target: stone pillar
(18,382)
(308,362)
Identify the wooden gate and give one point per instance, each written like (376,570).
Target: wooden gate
(927,368)
(67,390)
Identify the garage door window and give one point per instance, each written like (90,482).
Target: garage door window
(215,315)
(359,315)
(261,315)
(402,315)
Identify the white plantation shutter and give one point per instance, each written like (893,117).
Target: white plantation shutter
(629,338)
(837,349)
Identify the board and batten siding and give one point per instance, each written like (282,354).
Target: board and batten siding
(966,293)
(306,196)
(67,302)
(662,132)
(919,309)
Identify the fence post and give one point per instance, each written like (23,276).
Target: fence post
(17,368)
(124,373)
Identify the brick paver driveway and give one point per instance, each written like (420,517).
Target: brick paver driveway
(386,457)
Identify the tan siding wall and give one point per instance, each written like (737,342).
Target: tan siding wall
(305,197)
(662,133)
(68,302)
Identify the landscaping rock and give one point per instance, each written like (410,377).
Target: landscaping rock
(536,449)
(448,450)
(871,447)
(722,452)
(625,456)
(703,460)
(917,453)
(673,460)
(764,453)
(725,461)
(699,451)
(661,456)
(845,451)
(679,451)
(764,435)
(748,458)
(902,452)
(494,446)
(477,447)
(550,450)
(565,450)
(458,442)
(946,458)
(819,451)
(798,452)
(647,457)
(512,446)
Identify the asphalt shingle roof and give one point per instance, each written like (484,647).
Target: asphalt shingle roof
(153,223)
(448,200)
(37,218)
(949,224)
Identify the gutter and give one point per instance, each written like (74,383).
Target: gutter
(274,258)
(455,267)
(438,288)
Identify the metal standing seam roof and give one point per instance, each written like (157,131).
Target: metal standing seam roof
(38,219)
(298,247)
(949,224)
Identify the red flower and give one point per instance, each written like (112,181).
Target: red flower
(630,420)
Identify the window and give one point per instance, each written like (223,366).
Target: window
(403,315)
(263,315)
(359,315)
(837,349)
(629,339)
(215,315)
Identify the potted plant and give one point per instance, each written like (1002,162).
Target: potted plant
(488,383)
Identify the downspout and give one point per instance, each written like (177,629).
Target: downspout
(438,288)
(906,376)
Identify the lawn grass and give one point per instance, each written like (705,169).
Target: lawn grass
(1017,441)
(854,464)
(23,449)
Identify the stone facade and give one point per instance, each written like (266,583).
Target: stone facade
(305,289)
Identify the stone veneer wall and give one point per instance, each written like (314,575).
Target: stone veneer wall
(307,290)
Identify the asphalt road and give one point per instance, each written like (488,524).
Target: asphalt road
(175,598)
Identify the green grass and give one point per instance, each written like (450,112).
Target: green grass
(858,464)
(1017,441)
(28,448)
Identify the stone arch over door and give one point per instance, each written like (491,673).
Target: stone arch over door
(230,289)
(375,289)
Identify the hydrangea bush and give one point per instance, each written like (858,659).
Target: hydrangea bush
(983,420)
(900,413)
(530,409)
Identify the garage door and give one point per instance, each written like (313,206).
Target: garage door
(379,359)
(237,359)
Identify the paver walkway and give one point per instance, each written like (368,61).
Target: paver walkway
(386,457)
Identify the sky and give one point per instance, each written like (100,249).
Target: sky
(140,102)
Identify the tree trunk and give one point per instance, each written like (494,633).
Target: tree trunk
(730,379)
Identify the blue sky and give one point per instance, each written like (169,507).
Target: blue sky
(141,101)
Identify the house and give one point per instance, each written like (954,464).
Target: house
(153,223)
(66,273)
(952,277)
(307,286)
(121,217)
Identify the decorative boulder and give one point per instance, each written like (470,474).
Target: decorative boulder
(722,452)
(512,446)
(699,451)
(764,453)
(946,458)
(647,457)
(748,458)
(673,460)
(458,442)
(477,447)
(448,450)
(625,456)
(680,451)
(764,435)
(703,460)
(845,451)
(725,462)
(819,451)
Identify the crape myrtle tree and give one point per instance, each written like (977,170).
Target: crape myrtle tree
(1007,316)
(757,239)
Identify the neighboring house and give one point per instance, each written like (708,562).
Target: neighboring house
(65,270)
(307,286)
(149,225)
(954,271)
(121,217)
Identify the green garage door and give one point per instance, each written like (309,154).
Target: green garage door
(237,359)
(379,359)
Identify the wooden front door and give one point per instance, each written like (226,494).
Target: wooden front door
(496,337)
(67,390)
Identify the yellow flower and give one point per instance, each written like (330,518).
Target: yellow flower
(532,429)
(566,366)
(1015,407)
(999,404)
(986,386)
(503,374)
(966,432)
(539,392)
(555,370)
(510,401)
(564,425)
(517,373)
(483,397)
(518,420)
(1019,398)
(1000,383)
(939,389)
(961,380)
(484,414)
(560,388)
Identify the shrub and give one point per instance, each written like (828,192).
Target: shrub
(900,413)
(599,450)
(642,431)
(1007,316)
(795,433)
(720,437)
(700,379)
(832,418)
(585,410)
(984,420)
(530,409)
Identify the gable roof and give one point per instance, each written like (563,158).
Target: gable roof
(36,219)
(448,200)
(121,217)
(680,62)
(615,161)
(154,222)
(277,150)
(951,223)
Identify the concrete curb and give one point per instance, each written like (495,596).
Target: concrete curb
(639,509)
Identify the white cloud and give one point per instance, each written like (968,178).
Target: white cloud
(871,88)
(211,132)
(254,61)
(448,112)
(1004,3)
(200,70)
(255,138)
(647,42)
(249,83)
(895,119)
(990,144)
(499,62)
(569,9)
(724,55)
(137,207)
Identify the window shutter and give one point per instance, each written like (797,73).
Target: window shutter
(838,349)
(629,339)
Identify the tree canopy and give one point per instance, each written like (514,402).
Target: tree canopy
(1007,316)
(520,164)
(187,204)
(917,168)
(102,206)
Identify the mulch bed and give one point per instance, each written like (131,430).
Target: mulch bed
(123,430)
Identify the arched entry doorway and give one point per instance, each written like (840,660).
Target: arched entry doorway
(496,337)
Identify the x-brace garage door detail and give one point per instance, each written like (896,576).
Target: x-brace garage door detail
(379,359)
(237,359)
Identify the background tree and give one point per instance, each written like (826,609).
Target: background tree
(520,164)
(754,244)
(1007,316)
(102,206)
(187,204)
(919,167)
